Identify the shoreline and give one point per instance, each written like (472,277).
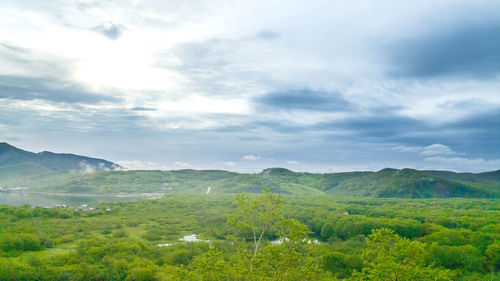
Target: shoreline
(118,195)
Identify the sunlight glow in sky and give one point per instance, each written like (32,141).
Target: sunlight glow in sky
(245,85)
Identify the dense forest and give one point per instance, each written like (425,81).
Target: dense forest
(254,237)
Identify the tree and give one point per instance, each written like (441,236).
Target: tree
(492,255)
(390,258)
(257,215)
(287,260)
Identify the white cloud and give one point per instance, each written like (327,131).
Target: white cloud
(198,66)
(405,148)
(430,150)
(437,149)
(86,168)
(230,163)
(293,162)
(251,157)
(462,164)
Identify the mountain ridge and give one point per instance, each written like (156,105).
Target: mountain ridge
(70,173)
(16,163)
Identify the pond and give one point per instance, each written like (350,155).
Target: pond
(51,199)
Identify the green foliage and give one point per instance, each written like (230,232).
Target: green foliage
(421,239)
(21,242)
(258,215)
(465,257)
(390,257)
(405,183)
(492,257)
(212,267)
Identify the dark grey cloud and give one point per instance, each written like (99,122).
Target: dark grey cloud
(478,134)
(488,121)
(304,99)
(111,30)
(31,88)
(385,126)
(465,48)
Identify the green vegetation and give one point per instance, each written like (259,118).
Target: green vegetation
(359,239)
(406,183)
(68,173)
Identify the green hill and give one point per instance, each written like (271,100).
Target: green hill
(20,167)
(405,183)
(70,173)
(180,180)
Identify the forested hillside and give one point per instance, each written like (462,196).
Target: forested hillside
(321,238)
(406,183)
(68,173)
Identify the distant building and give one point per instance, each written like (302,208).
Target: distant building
(62,206)
(345,213)
(86,207)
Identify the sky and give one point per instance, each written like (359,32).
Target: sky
(318,86)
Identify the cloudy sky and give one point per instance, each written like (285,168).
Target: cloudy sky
(318,86)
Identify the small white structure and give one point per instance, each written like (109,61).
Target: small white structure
(208,190)
(86,207)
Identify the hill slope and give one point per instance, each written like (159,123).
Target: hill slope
(69,173)
(20,167)
(406,183)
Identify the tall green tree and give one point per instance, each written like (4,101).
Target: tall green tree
(259,215)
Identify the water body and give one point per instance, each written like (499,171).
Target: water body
(51,200)
(192,238)
(186,238)
(280,241)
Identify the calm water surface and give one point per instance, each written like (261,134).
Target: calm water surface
(50,200)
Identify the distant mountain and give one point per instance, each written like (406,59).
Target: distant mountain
(69,173)
(405,183)
(18,166)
